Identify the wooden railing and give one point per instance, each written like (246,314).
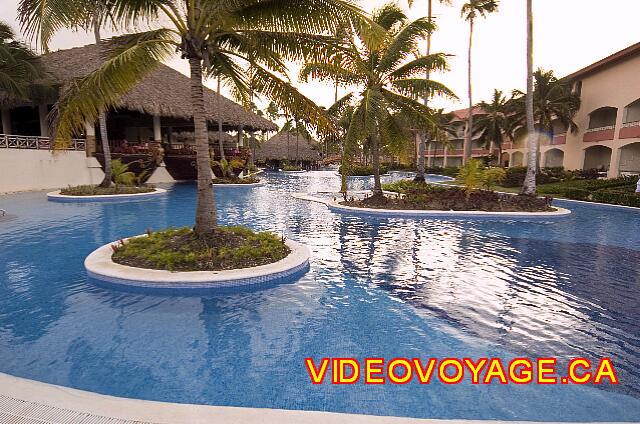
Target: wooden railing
(28,142)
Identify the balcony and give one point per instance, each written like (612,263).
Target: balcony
(599,134)
(630,130)
(27,142)
(559,139)
(460,153)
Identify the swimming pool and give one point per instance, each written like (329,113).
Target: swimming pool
(377,287)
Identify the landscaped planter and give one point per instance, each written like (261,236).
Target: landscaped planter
(258,184)
(411,213)
(55,196)
(100,266)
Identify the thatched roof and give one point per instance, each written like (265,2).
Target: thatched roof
(165,91)
(276,148)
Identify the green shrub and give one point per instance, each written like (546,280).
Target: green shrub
(471,176)
(180,250)
(94,190)
(364,170)
(576,194)
(494,177)
(404,186)
(616,198)
(450,171)
(121,174)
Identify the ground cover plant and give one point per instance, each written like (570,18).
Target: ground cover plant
(236,180)
(179,249)
(95,190)
(422,196)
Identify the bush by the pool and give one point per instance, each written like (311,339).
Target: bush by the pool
(124,182)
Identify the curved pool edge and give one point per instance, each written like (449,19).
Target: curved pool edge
(55,196)
(100,267)
(395,213)
(25,400)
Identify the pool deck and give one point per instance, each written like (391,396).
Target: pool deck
(31,402)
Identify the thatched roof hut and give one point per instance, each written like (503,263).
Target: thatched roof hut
(164,92)
(277,148)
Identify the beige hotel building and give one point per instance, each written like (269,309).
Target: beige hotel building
(608,136)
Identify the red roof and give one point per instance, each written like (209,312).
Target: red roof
(607,61)
(463,114)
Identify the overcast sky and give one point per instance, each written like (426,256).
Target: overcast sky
(569,34)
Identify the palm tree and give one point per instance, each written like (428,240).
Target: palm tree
(424,139)
(93,16)
(20,67)
(496,122)
(219,38)
(529,185)
(470,11)
(551,100)
(386,82)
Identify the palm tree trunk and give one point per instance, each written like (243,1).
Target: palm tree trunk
(219,104)
(421,165)
(375,161)
(423,140)
(102,121)
(288,149)
(297,145)
(468,142)
(206,206)
(529,187)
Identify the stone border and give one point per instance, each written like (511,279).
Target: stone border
(337,207)
(258,184)
(100,266)
(55,196)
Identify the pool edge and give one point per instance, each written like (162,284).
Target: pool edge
(66,402)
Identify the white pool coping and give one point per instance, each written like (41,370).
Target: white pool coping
(29,401)
(100,266)
(337,207)
(55,196)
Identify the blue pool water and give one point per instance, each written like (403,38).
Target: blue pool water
(377,287)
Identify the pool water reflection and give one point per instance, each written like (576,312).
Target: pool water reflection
(377,287)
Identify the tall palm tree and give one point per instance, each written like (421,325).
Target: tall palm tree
(386,83)
(470,11)
(219,38)
(423,138)
(551,100)
(529,186)
(20,67)
(496,122)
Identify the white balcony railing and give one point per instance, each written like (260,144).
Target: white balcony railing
(27,142)
(631,124)
(608,127)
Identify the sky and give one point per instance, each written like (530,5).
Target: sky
(568,34)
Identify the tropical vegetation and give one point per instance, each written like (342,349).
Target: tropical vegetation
(386,83)
(20,67)
(125,182)
(414,195)
(180,249)
(424,136)
(470,11)
(221,38)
